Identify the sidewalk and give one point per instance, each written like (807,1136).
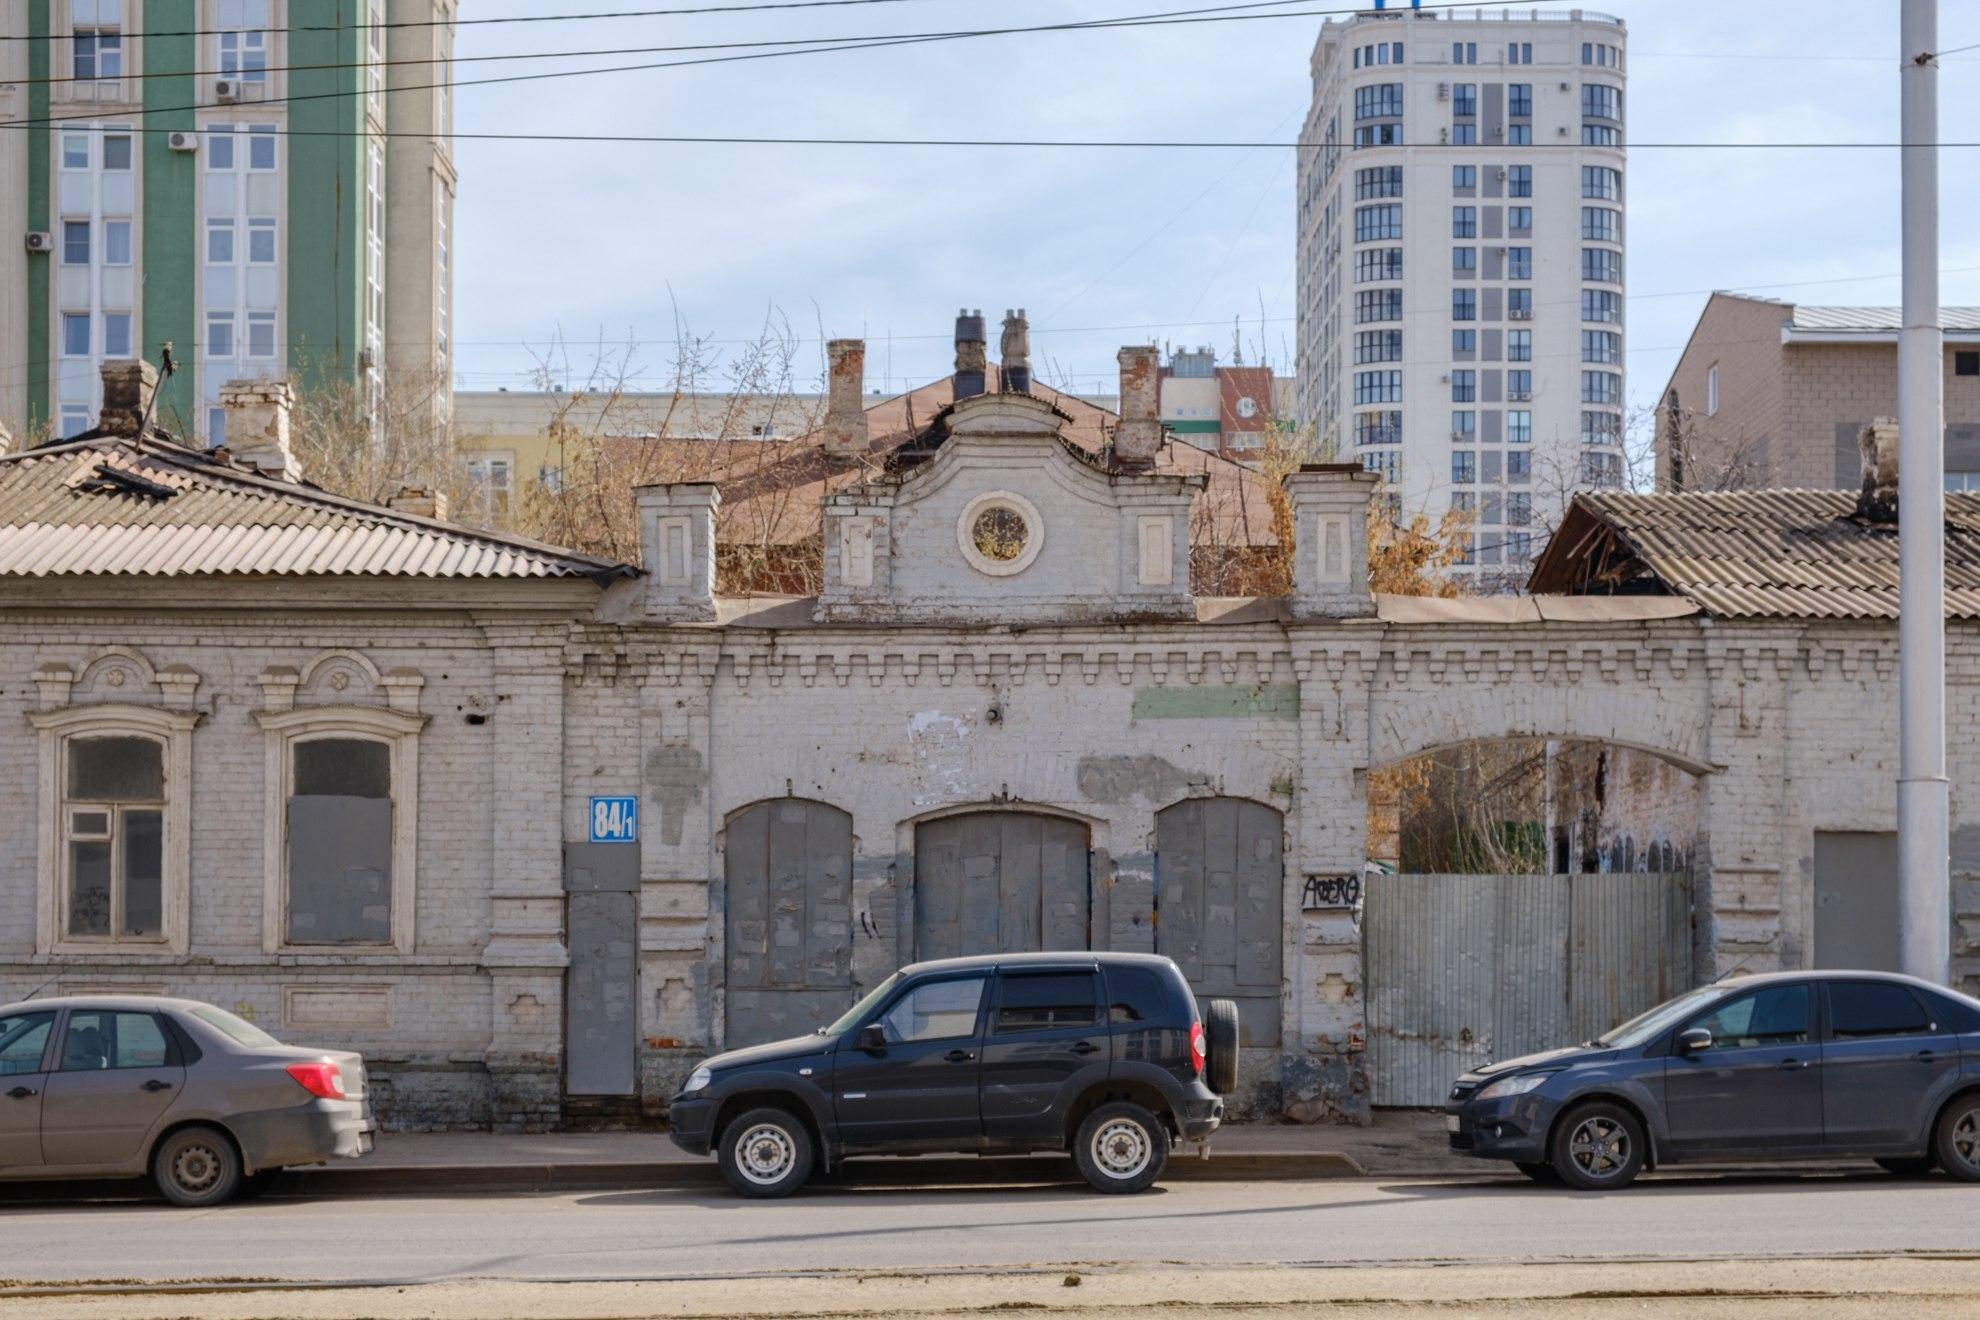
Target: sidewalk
(1399,1144)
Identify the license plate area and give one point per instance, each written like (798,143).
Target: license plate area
(1451,1123)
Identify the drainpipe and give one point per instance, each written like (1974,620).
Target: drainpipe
(1923,793)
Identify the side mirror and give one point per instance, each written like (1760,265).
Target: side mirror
(872,1038)
(1694,1040)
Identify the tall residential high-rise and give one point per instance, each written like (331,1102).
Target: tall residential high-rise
(1461,261)
(266,185)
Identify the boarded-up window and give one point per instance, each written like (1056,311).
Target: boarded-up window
(1220,872)
(340,842)
(113,819)
(789,927)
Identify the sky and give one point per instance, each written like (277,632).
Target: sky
(573,252)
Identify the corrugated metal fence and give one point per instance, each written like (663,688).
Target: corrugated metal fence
(1464,969)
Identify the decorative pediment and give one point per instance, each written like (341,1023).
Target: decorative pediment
(117,674)
(1007,522)
(340,678)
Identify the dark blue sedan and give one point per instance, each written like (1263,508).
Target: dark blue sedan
(1789,1066)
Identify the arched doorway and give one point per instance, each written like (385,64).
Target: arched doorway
(1000,882)
(1220,883)
(787,943)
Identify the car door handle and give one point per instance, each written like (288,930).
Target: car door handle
(1792,1064)
(22,1093)
(1086,1047)
(960,1056)
(155,1085)
(1925,1056)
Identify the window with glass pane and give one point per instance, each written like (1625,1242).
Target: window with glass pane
(1519,219)
(1039,1003)
(75,334)
(1464,467)
(1464,386)
(261,334)
(1775,1016)
(220,334)
(1519,427)
(117,151)
(261,242)
(1464,176)
(1464,222)
(113,820)
(1860,1010)
(261,147)
(23,1042)
(219,242)
(101,1039)
(1519,383)
(116,334)
(340,841)
(75,242)
(942,1010)
(116,242)
(1519,100)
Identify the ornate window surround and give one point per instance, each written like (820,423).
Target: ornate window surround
(1034,532)
(397,729)
(172,730)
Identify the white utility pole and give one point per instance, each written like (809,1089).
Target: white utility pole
(1923,793)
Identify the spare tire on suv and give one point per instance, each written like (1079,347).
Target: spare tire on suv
(1220,1046)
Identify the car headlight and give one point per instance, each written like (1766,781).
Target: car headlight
(698,1080)
(1518,1084)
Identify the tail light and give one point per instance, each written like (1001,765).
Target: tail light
(1197,1057)
(322,1080)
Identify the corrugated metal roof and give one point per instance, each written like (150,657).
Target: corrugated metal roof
(117,507)
(1768,553)
(1862,319)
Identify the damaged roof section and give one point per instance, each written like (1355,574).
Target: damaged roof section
(1751,554)
(114,506)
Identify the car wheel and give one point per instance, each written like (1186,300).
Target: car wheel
(1121,1147)
(1542,1172)
(1220,1046)
(1958,1139)
(197,1167)
(1597,1146)
(1909,1166)
(767,1152)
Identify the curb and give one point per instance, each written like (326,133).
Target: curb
(357,1179)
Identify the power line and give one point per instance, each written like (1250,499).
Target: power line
(1212,14)
(520,18)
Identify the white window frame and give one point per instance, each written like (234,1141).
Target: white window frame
(173,731)
(399,731)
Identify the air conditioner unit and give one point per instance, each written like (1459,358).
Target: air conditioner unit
(1519,396)
(40,241)
(1443,91)
(226,90)
(1499,130)
(1502,173)
(1521,314)
(183,142)
(1444,134)
(1567,87)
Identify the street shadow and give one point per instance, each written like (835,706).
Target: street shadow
(1690,1183)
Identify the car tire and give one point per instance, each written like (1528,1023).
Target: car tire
(767,1153)
(1957,1140)
(1220,1046)
(1542,1172)
(1908,1166)
(1597,1147)
(197,1167)
(1121,1148)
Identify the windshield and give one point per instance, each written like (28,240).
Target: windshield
(1643,1026)
(861,1009)
(240,1030)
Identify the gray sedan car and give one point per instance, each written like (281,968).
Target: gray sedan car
(205,1102)
(1787,1066)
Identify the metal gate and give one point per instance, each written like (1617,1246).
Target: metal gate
(1465,969)
(601,1002)
(1000,882)
(788,930)
(1220,905)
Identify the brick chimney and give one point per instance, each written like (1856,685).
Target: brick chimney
(1878,500)
(258,413)
(971,355)
(845,411)
(128,384)
(421,502)
(1140,438)
(1014,367)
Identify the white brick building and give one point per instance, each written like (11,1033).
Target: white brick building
(1006,722)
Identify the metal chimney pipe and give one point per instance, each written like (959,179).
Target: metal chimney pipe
(1923,792)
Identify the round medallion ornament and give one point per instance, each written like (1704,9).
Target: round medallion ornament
(1000,533)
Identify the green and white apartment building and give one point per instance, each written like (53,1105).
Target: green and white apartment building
(267,185)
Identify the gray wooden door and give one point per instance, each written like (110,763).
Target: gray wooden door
(1462,970)
(1000,882)
(1220,892)
(601,998)
(788,929)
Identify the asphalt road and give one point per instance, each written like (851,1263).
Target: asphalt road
(679,1234)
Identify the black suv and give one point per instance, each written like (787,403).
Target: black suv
(1102,1054)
